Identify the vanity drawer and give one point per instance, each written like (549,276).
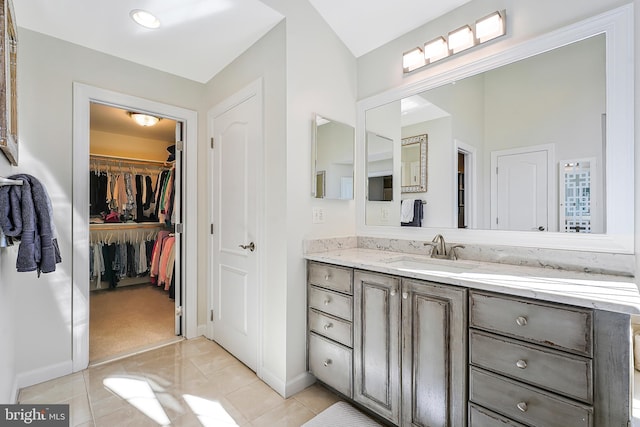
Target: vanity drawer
(331,363)
(331,277)
(330,302)
(526,404)
(563,327)
(481,417)
(563,373)
(331,327)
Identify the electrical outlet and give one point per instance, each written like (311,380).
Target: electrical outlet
(318,215)
(384,214)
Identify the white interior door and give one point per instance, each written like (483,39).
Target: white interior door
(522,192)
(235,128)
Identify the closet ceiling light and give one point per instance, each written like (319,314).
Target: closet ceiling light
(144,119)
(145,19)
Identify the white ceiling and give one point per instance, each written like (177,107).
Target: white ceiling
(198,38)
(364,25)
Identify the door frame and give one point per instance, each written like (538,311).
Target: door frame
(83,95)
(471,183)
(253,89)
(552,179)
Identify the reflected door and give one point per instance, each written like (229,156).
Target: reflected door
(234,271)
(522,193)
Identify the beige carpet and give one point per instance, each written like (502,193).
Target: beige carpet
(127,319)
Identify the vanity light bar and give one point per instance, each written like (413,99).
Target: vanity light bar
(413,60)
(461,39)
(485,29)
(436,49)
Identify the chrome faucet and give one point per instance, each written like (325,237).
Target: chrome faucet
(440,250)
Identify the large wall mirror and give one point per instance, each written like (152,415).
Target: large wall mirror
(537,139)
(332,162)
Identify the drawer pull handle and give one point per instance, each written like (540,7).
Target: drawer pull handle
(327,301)
(522,406)
(521,321)
(327,362)
(405,295)
(327,326)
(393,292)
(327,276)
(522,364)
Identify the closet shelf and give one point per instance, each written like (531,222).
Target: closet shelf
(125,226)
(128,160)
(127,232)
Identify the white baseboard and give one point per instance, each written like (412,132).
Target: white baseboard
(299,383)
(289,388)
(40,375)
(202,330)
(13,397)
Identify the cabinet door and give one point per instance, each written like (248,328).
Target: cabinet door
(434,349)
(376,342)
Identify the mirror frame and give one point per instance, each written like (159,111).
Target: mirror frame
(617,25)
(8,76)
(422,186)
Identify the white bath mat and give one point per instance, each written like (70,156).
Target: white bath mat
(341,414)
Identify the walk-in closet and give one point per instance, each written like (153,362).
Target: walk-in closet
(134,251)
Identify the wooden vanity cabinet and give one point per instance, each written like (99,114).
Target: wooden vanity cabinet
(434,350)
(329,315)
(410,350)
(546,364)
(419,353)
(376,343)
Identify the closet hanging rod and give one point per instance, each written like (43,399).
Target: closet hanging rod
(7,181)
(128,160)
(126,226)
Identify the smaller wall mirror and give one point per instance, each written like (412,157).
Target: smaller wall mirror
(332,163)
(414,164)
(379,168)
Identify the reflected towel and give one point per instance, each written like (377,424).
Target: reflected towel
(406,212)
(417,215)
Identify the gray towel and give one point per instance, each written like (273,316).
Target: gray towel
(26,213)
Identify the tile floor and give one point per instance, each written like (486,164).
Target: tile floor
(190,383)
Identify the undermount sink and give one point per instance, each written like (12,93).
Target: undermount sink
(429,264)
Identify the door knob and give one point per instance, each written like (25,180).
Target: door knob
(251,246)
(541,228)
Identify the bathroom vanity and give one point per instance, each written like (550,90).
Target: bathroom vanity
(421,341)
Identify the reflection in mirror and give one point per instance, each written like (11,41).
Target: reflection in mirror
(414,164)
(496,137)
(333,161)
(379,167)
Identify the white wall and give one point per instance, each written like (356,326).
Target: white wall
(114,144)
(36,313)
(330,91)
(265,59)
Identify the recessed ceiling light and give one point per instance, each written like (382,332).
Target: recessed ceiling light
(144,18)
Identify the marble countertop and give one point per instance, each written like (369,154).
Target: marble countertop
(599,291)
